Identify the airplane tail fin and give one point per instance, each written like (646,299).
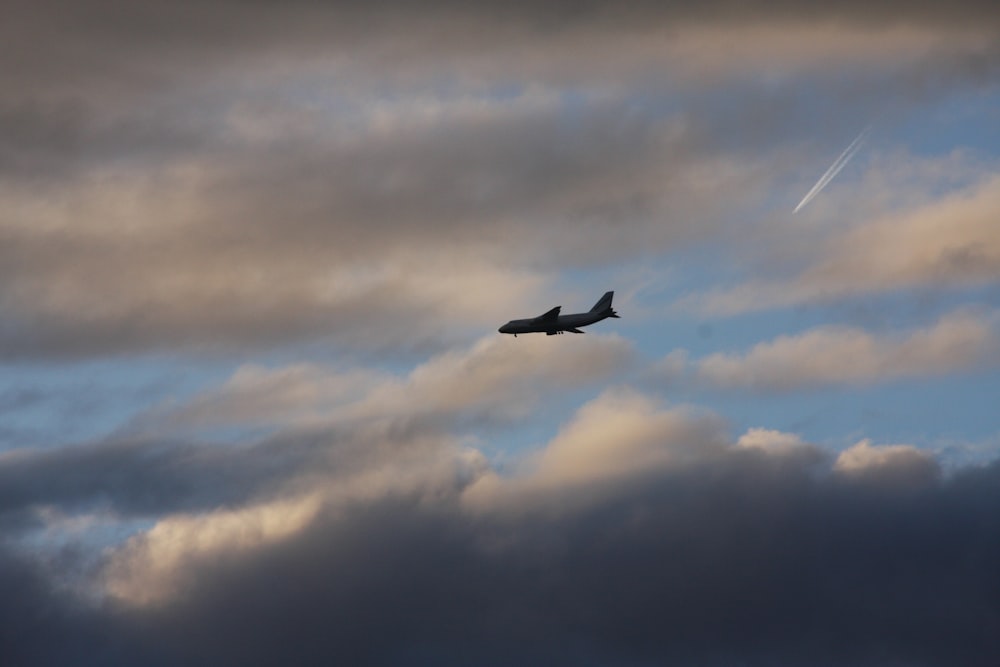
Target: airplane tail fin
(605,304)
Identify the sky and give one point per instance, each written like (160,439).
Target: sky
(255,410)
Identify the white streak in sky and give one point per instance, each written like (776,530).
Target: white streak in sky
(835,168)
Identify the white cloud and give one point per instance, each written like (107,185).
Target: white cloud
(613,441)
(772,442)
(503,374)
(158,261)
(951,240)
(496,378)
(622,433)
(614,444)
(149,568)
(156,565)
(959,342)
(865,458)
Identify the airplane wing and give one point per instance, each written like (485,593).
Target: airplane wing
(550,316)
(574,330)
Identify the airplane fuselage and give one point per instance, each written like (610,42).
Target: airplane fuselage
(552,322)
(561,324)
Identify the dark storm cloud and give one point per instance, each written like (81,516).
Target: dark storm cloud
(130,478)
(147,478)
(749,560)
(736,570)
(696,550)
(41,626)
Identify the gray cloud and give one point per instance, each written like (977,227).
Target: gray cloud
(154,476)
(43,626)
(750,558)
(642,533)
(132,477)
(390,177)
(358,241)
(235,175)
(743,570)
(263,432)
(119,80)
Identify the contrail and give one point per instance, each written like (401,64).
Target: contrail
(835,168)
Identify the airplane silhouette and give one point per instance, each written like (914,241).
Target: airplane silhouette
(553,323)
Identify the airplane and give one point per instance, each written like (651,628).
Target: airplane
(553,323)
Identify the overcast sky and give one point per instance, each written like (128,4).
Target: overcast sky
(255,410)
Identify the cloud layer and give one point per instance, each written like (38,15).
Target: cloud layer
(640,532)
(960,342)
(234,176)
(947,242)
(656,539)
(252,261)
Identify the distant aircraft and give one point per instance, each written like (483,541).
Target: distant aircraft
(553,323)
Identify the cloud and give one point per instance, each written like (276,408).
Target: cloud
(267,431)
(249,177)
(903,460)
(136,477)
(389,182)
(495,379)
(619,436)
(351,235)
(641,532)
(949,242)
(960,342)
(647,571)
(256,396)
(396,36)
(200,276)
(160,565)
(146,569)
(42,624)
(776,443)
